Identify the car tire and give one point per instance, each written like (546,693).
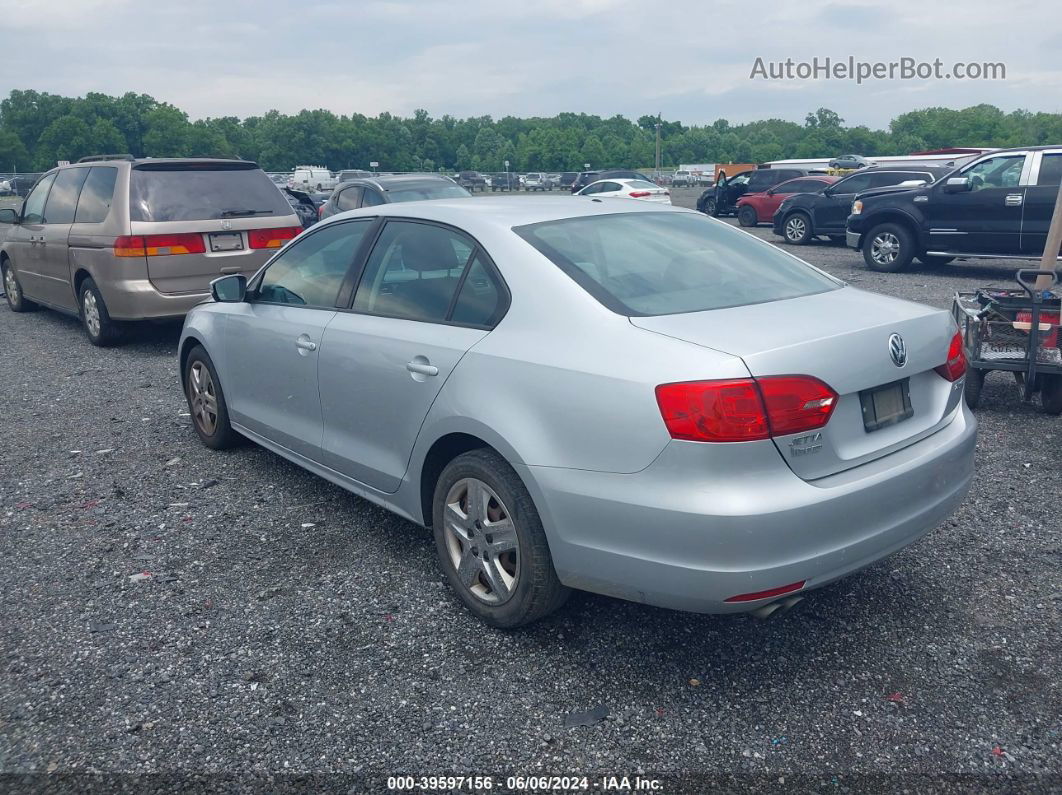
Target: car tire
(1051,394)
(206,401)
(747,216)
(888,248)
(95,319)
(796,229)
(711,208)
(931,261)
(975,382)
(16,299)
(510,581)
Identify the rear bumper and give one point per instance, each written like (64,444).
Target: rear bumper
(691,530)
(137,299)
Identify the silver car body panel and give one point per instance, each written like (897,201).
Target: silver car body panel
(564,389)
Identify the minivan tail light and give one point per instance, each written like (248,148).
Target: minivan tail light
(271,238)
(158,245)
(955,367)
(745,409)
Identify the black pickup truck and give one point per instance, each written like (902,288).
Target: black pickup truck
(999,205)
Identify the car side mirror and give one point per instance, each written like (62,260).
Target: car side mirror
(8,216)
(229,289)
(957,185)
(771,191)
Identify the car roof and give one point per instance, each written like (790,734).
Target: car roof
(505,212)
(388,181)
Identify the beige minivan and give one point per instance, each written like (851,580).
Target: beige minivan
(116,238)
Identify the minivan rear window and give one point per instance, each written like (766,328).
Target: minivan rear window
(201,192)
(649,263)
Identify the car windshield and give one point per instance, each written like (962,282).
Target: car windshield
(419,192)
(640,264)
(194,193)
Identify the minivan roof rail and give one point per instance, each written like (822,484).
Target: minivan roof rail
(94,158)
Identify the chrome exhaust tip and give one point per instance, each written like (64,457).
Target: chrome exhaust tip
(780,607)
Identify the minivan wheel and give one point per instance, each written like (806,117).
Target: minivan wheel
(491,544)
(747,216)
(97,321)
(888,248)
(206,401)
(13,290)
(797,229)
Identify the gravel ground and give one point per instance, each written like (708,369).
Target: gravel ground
(167,608)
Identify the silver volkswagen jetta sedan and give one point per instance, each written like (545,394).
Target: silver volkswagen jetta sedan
(598,394)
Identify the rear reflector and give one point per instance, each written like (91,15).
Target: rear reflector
(158,245)
(955,367)
(752,597)
(271,238)
(745,409)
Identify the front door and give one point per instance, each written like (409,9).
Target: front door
(426,296)
(986,219)
(25,241)
(273,341)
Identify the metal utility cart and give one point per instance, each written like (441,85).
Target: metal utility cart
(1015,330)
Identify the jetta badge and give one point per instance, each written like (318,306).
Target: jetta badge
(897,350)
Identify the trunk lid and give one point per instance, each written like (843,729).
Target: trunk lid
(841,337)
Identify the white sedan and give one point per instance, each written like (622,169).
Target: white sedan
(626,189)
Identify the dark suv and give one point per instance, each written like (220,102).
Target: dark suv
(999,205)
(471,180)
(807,215)
(721,198)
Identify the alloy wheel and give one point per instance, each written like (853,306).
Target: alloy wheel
(203,398)
(795,228)
(11,286)
(481,541)
(885,248)
(91,311)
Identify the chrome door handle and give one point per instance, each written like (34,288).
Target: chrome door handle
(305,344)
(1013,200)
(422,369)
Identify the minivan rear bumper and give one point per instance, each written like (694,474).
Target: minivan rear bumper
(704,523)
(137,299)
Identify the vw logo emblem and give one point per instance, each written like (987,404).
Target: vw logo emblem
(897,350)
(226,224)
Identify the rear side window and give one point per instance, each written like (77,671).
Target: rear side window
(348,199)
(413,272)
(371,198)
(640,264)
(97,195)
(800,186)
(63,197)
(1050,170)
(202,192)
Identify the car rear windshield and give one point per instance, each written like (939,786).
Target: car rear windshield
(183,192)
(413,193)
(640,264)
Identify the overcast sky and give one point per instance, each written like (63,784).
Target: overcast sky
(689,59)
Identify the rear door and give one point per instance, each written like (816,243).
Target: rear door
(428,293)
(273,340)
(205,219)
(1039,202)
(54,248)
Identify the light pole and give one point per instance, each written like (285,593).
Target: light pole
(658,145)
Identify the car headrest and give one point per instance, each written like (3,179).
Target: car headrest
(427,248)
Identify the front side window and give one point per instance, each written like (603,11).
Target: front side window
(311,271)
(413,272)
(62,199)
(33,209)
(853,184)
(996,172)
(640,264)
(97,195)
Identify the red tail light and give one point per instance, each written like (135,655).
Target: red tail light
(158,245)
(955,367)
(639,194)
(320,210)
(745,409)
(271,238)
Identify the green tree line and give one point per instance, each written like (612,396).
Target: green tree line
(37,129)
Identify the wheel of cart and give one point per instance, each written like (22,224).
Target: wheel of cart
(1016,331)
